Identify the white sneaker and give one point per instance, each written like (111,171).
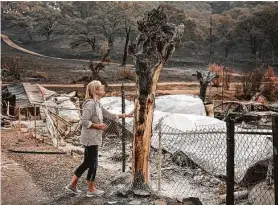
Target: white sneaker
(70,188)
(97,192)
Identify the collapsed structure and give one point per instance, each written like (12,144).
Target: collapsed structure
(61,112)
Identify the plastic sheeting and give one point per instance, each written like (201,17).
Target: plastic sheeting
(69,110)
(183,104)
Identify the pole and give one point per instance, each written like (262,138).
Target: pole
(275,155)
(8,108)
(223,79)
(210,35)
(35,121)
(230,167)
(123,130)
(57,126)
(159,157)
(19,119)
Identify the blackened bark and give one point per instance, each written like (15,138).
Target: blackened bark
(126,46)
(154,46)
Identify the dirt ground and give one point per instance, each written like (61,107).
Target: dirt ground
(41,178)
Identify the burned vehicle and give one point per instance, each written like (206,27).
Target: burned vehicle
(259,110)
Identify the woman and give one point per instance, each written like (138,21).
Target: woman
(91,136)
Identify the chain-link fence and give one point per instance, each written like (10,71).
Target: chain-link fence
(193,162)
(250,177)
(211,161)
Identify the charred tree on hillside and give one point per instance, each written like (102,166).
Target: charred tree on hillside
(153,47)
(95,70)
(204,80)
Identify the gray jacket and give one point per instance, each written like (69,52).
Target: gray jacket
(93,112)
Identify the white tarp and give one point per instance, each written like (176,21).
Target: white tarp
(201,138)
(167,104)
(183,104)
(68,109)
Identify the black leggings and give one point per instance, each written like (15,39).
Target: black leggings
(90,161)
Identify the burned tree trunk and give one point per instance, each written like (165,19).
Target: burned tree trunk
(154,46)
(127,31)
(204,80)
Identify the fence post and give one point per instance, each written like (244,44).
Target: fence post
(8,108)
(159,156)
(230,167)
(57,126)
(123,129)
(19,119)
(275,154)
(35,122)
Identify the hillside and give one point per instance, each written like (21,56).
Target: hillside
(215,31)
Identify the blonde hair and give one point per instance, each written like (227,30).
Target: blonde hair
(91,90)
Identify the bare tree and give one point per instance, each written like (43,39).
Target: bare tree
(154,46)
(204,80)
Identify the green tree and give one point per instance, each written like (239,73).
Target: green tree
(19,15)
(223,32)
(266,17)
(47,19)
(247,30)
(79,21)
(194,33)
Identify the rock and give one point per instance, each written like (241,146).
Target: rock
(191,201)
(141,192)
(160,202)
(261,194)
(124,192)
(135,202)
(181,159)
(124,178)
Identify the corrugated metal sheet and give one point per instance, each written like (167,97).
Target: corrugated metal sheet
(29,94)
(21,96)
(34,93)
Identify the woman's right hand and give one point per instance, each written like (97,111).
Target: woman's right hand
(102,126)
